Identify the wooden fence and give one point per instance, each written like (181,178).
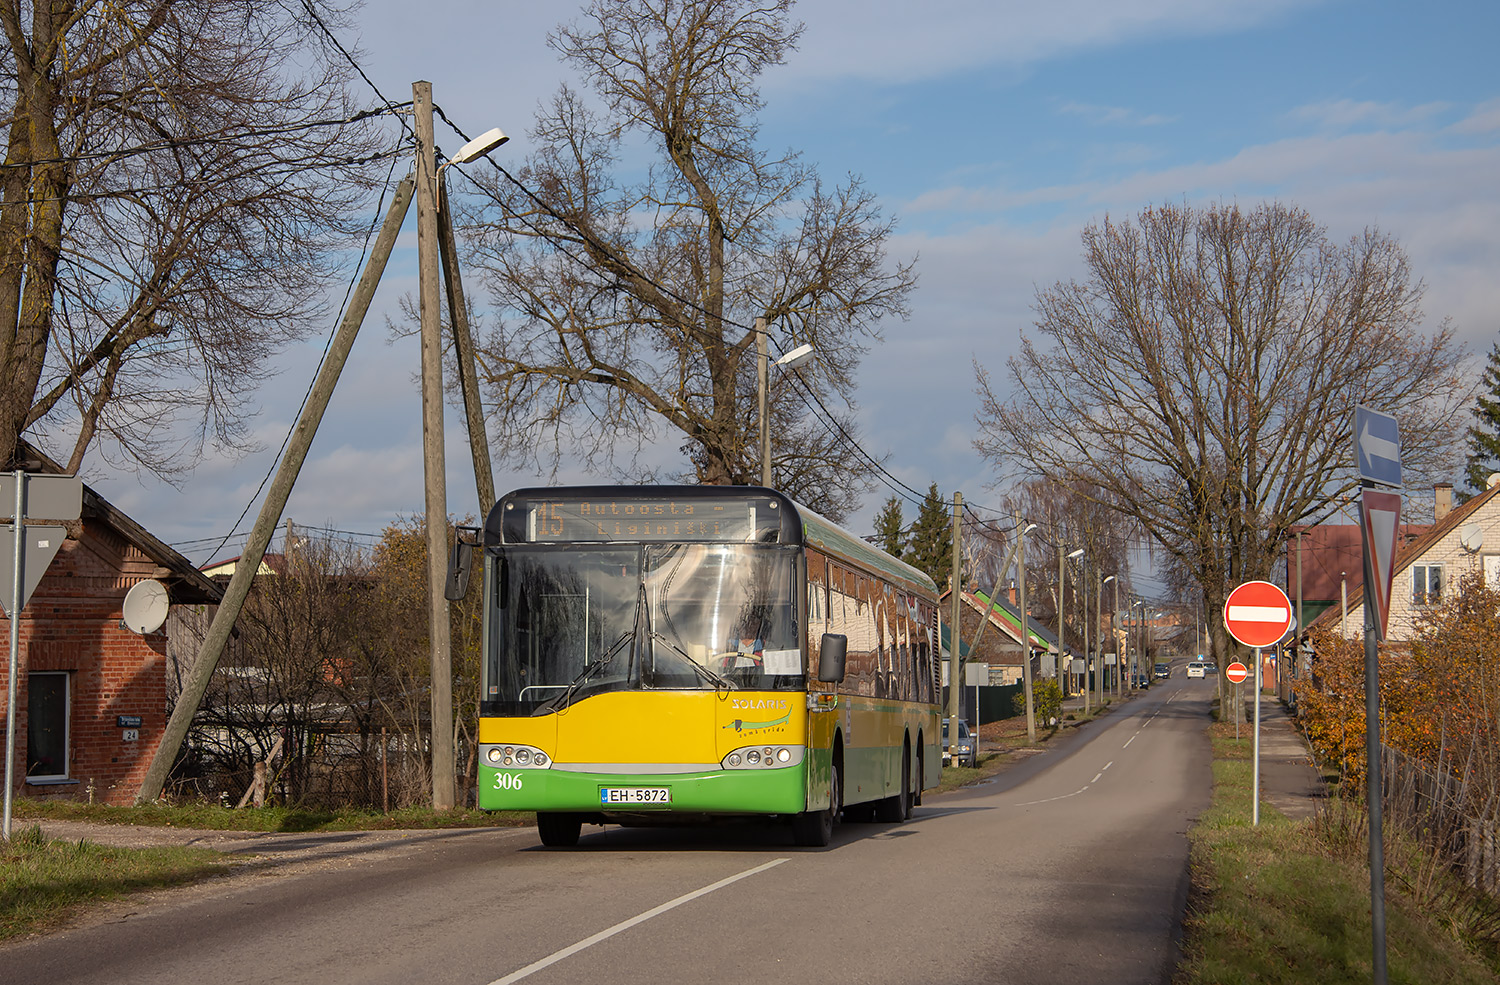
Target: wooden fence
(1458,821)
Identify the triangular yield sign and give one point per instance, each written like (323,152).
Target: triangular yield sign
(1380,520)
(39,544)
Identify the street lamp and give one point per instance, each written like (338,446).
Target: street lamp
(1106,581)
(791,360)
(1062,586)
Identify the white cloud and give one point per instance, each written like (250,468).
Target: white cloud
(1350,114)
(1115,116)
(1484,119)
(899,41)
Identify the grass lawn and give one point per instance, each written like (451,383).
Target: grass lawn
(213,817)
(42,883)
(1288,902)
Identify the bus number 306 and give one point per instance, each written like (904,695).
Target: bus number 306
(507,781)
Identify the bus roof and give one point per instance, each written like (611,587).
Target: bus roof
(813,529)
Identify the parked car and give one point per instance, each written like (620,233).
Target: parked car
(967,751)
(1197,669)
(1163,671)
(1139,680)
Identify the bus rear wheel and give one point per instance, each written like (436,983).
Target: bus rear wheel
(814,829)
(558,830)
(897,807)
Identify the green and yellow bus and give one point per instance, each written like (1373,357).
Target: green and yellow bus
(658,654)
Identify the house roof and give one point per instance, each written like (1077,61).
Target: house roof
(185,583)
(1408,555)
(1329,552)
(1006,618)
(270,564)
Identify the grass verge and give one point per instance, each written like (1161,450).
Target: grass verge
(43,883)
(213,817)
(1279,905)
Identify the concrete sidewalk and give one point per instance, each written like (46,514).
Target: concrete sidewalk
(1289,778)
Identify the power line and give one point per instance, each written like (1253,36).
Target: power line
(236,138)
(285,168)
(828,419)
(391,106)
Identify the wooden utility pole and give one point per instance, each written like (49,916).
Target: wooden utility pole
(468,376)
(270,511)
(440,655)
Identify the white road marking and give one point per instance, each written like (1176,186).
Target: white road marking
(1029,803)
(1096,777)
(1129,741)
(656,911)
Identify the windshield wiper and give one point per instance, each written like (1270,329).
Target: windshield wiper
(702,671)
(589,671)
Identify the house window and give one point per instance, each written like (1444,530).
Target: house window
(1426,584)
(47,725)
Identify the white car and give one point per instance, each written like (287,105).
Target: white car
(1196,669)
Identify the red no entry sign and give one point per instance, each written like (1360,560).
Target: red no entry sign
(1236,672)
(1257,613)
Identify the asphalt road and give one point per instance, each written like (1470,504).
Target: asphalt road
(1068,868)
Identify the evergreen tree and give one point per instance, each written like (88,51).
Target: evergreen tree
(930,547)
(1484,434)
(889,535)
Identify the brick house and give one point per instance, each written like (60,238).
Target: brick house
(91,702)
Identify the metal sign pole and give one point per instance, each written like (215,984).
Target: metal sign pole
(1255,745)
(13,611)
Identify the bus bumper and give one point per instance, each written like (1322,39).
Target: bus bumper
(749,791)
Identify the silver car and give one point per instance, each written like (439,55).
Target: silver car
(967,751)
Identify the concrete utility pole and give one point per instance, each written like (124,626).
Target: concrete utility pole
(955,634)
(275,501)
(763,385)
(1025,635)
(440,655)
(1083,582)
(1062,584)
(1099,627)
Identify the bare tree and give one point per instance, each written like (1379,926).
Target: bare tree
(176,173)
(1202,380)
(1074,517)
(628,303)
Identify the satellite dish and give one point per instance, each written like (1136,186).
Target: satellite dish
(1471,537)
(1490,482)
(145,607)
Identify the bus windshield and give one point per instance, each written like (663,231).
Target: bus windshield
(578,621)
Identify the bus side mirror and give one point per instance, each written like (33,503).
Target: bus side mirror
(460,565)
(832,654)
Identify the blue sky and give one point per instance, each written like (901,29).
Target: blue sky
(993,132)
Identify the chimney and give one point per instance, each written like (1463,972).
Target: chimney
(1442,501)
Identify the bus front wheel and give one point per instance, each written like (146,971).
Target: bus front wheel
(558,830)
(814,829)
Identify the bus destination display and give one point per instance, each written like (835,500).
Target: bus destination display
(655,520)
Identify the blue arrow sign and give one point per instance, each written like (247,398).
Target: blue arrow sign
(1377,446)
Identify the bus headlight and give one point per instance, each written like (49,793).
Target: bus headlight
(762,757)
(510,756)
